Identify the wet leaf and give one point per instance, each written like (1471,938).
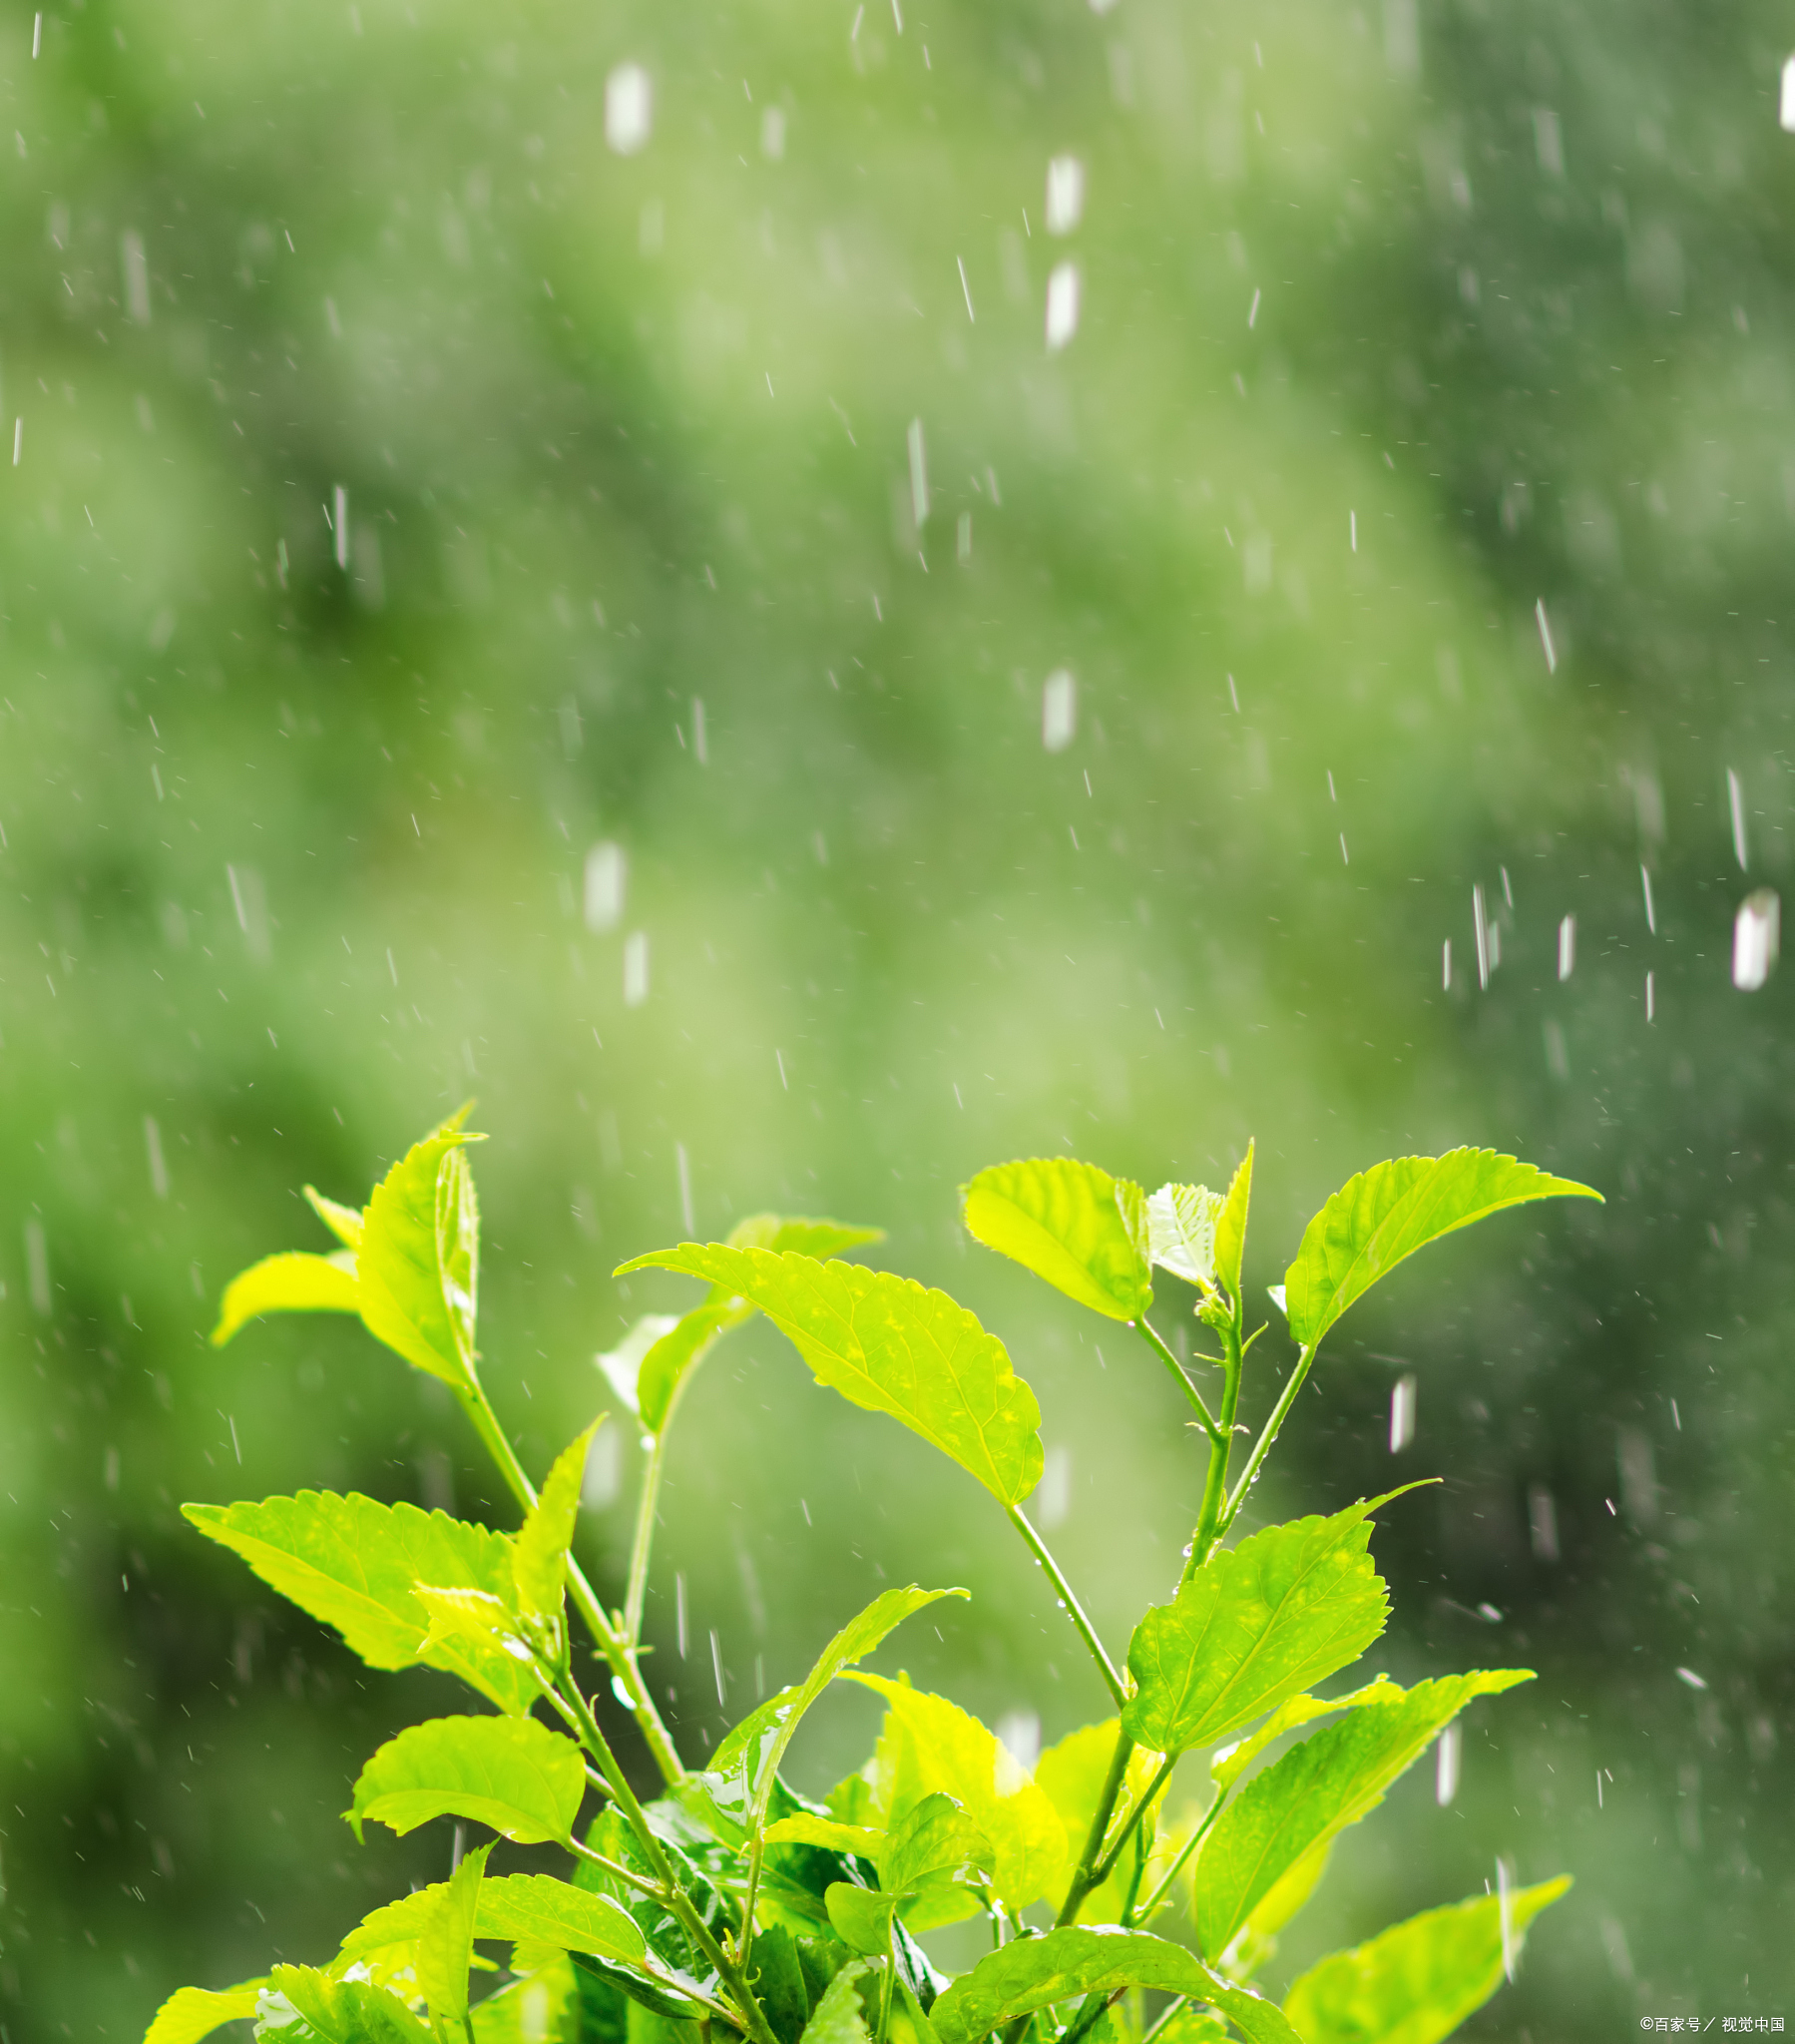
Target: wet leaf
(1298,1806)
(292,1282)
(344,1222)
(1230,1226)
(887,1345)
(1284,1610)
(1419,1980)
(353,1564)
(862,1917)
(419,1263)
(510,1773)
(190,2013)
(1082,1231)
(1180,1222)
(1231,1762)
(936,1843)
(336,2011)
(447,1945)
(838,2017)
(1388,1213)
(538,1551)
(542,2008)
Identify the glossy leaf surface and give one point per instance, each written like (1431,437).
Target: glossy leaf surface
(529,1908)
(542,2008)
(887,1345)
(190,2013)
(1285,1609)
(928,1744)
(1419,1980)
(345,1223)
(1298,1806)
(336,2011)
(292,1282)
(352,1564)
(861,1917)
(1388,1213)
(447,1947)
(1071,1224)
(418,1305)
(511,1774)
(539,1550)
(838,2017)
(1230,1226)
(936,1843)
(1229,1763)
(1180,1222)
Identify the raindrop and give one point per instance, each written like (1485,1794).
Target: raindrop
(37,1266)
(629,108)
(1543,1522)
(679,1624)
(919,474)
(772,133)
(636,968)
(110,1474)
(1402,1412)
(683,1166)
(1054,1499)
(158,1170)
(1651,998)
(1062,305)
(1787,112)
(1446,1766)
(1735,802)
(1446,966)
(1065,194)
(1019,1732)
(963,539)
(1480,924)
(1558,1056)
(717,1668)
(701,743)
(339,524)
(1567,946)
(1651,914)
(1504,1882)
(1690,1675)
(1058,709)
(136,275)
(1756,935)
(1551,658)
(604,887)
(603,1469)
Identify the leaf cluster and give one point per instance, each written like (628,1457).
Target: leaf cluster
(731,1905)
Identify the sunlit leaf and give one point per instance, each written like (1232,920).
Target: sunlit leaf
(838,2017)
(352,1564)
(1034,1972)
(1417,1982)
(539,1550)
(670,1361)
(1072,1774)
(419,1259)
(190,2013)
(887,1345)
(542,2008)
(292,1282)
(936,1841)
(1180,1222)
(862,1917)
(1284,1610)
(446,1947)
(1071,1224)
(801,1234)
(527,1908)
(743,1767)
(1304,1800)
(1230,1226)
(344,1222)
(1386,1214)
(335,2011)
(622,1365)
(927,1745)
(1229,1763)
(805,1829)
(511,1774)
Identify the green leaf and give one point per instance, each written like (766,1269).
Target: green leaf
(927,1745)
(1296,1807)
(1072,1774)
(538,1553)
(838,2017)
(668,1365)
(805,1829)
(526,1908)
(1030,1973)
(446,1947)
(1180,1222)
(782,1232)
(1421,1979)
(352,1564)
(305,2006)
(622,1365)
(511,1774)
(292,1282)
(419,1259)
(861,1916)
(1285,1609)
(344,1222)
(1229,1763)
(887,1345)
(1192,2025)
(1230,1227)
(1386,1214)
(937,1842)
(1082,1231)
(744,1766)
(779,1983)
(190,2013)
(543,2008)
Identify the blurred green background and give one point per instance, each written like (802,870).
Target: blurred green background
(412,493)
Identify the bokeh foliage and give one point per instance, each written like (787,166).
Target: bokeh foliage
(295,851)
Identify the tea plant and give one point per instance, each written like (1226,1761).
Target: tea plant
(730,1905)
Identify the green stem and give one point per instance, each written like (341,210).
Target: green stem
(1216,1486)
(1150,1335)
(636,1594)
(1165,2016)
(1136,1817)
(1095,2005)
(1086,1878)
(1196,1838)
(1086,1631)
(611,1644)
(1262,1446)
(579,1713)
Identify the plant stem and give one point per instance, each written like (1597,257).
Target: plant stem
(636,1594)
(1263,1447)
(1086,1878)
(1150,1335)
(1216,1486)
(1108,1865)
(1095,2005)
(1086,1631)
(1178,1866)
(614,1648)
(579,1715)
